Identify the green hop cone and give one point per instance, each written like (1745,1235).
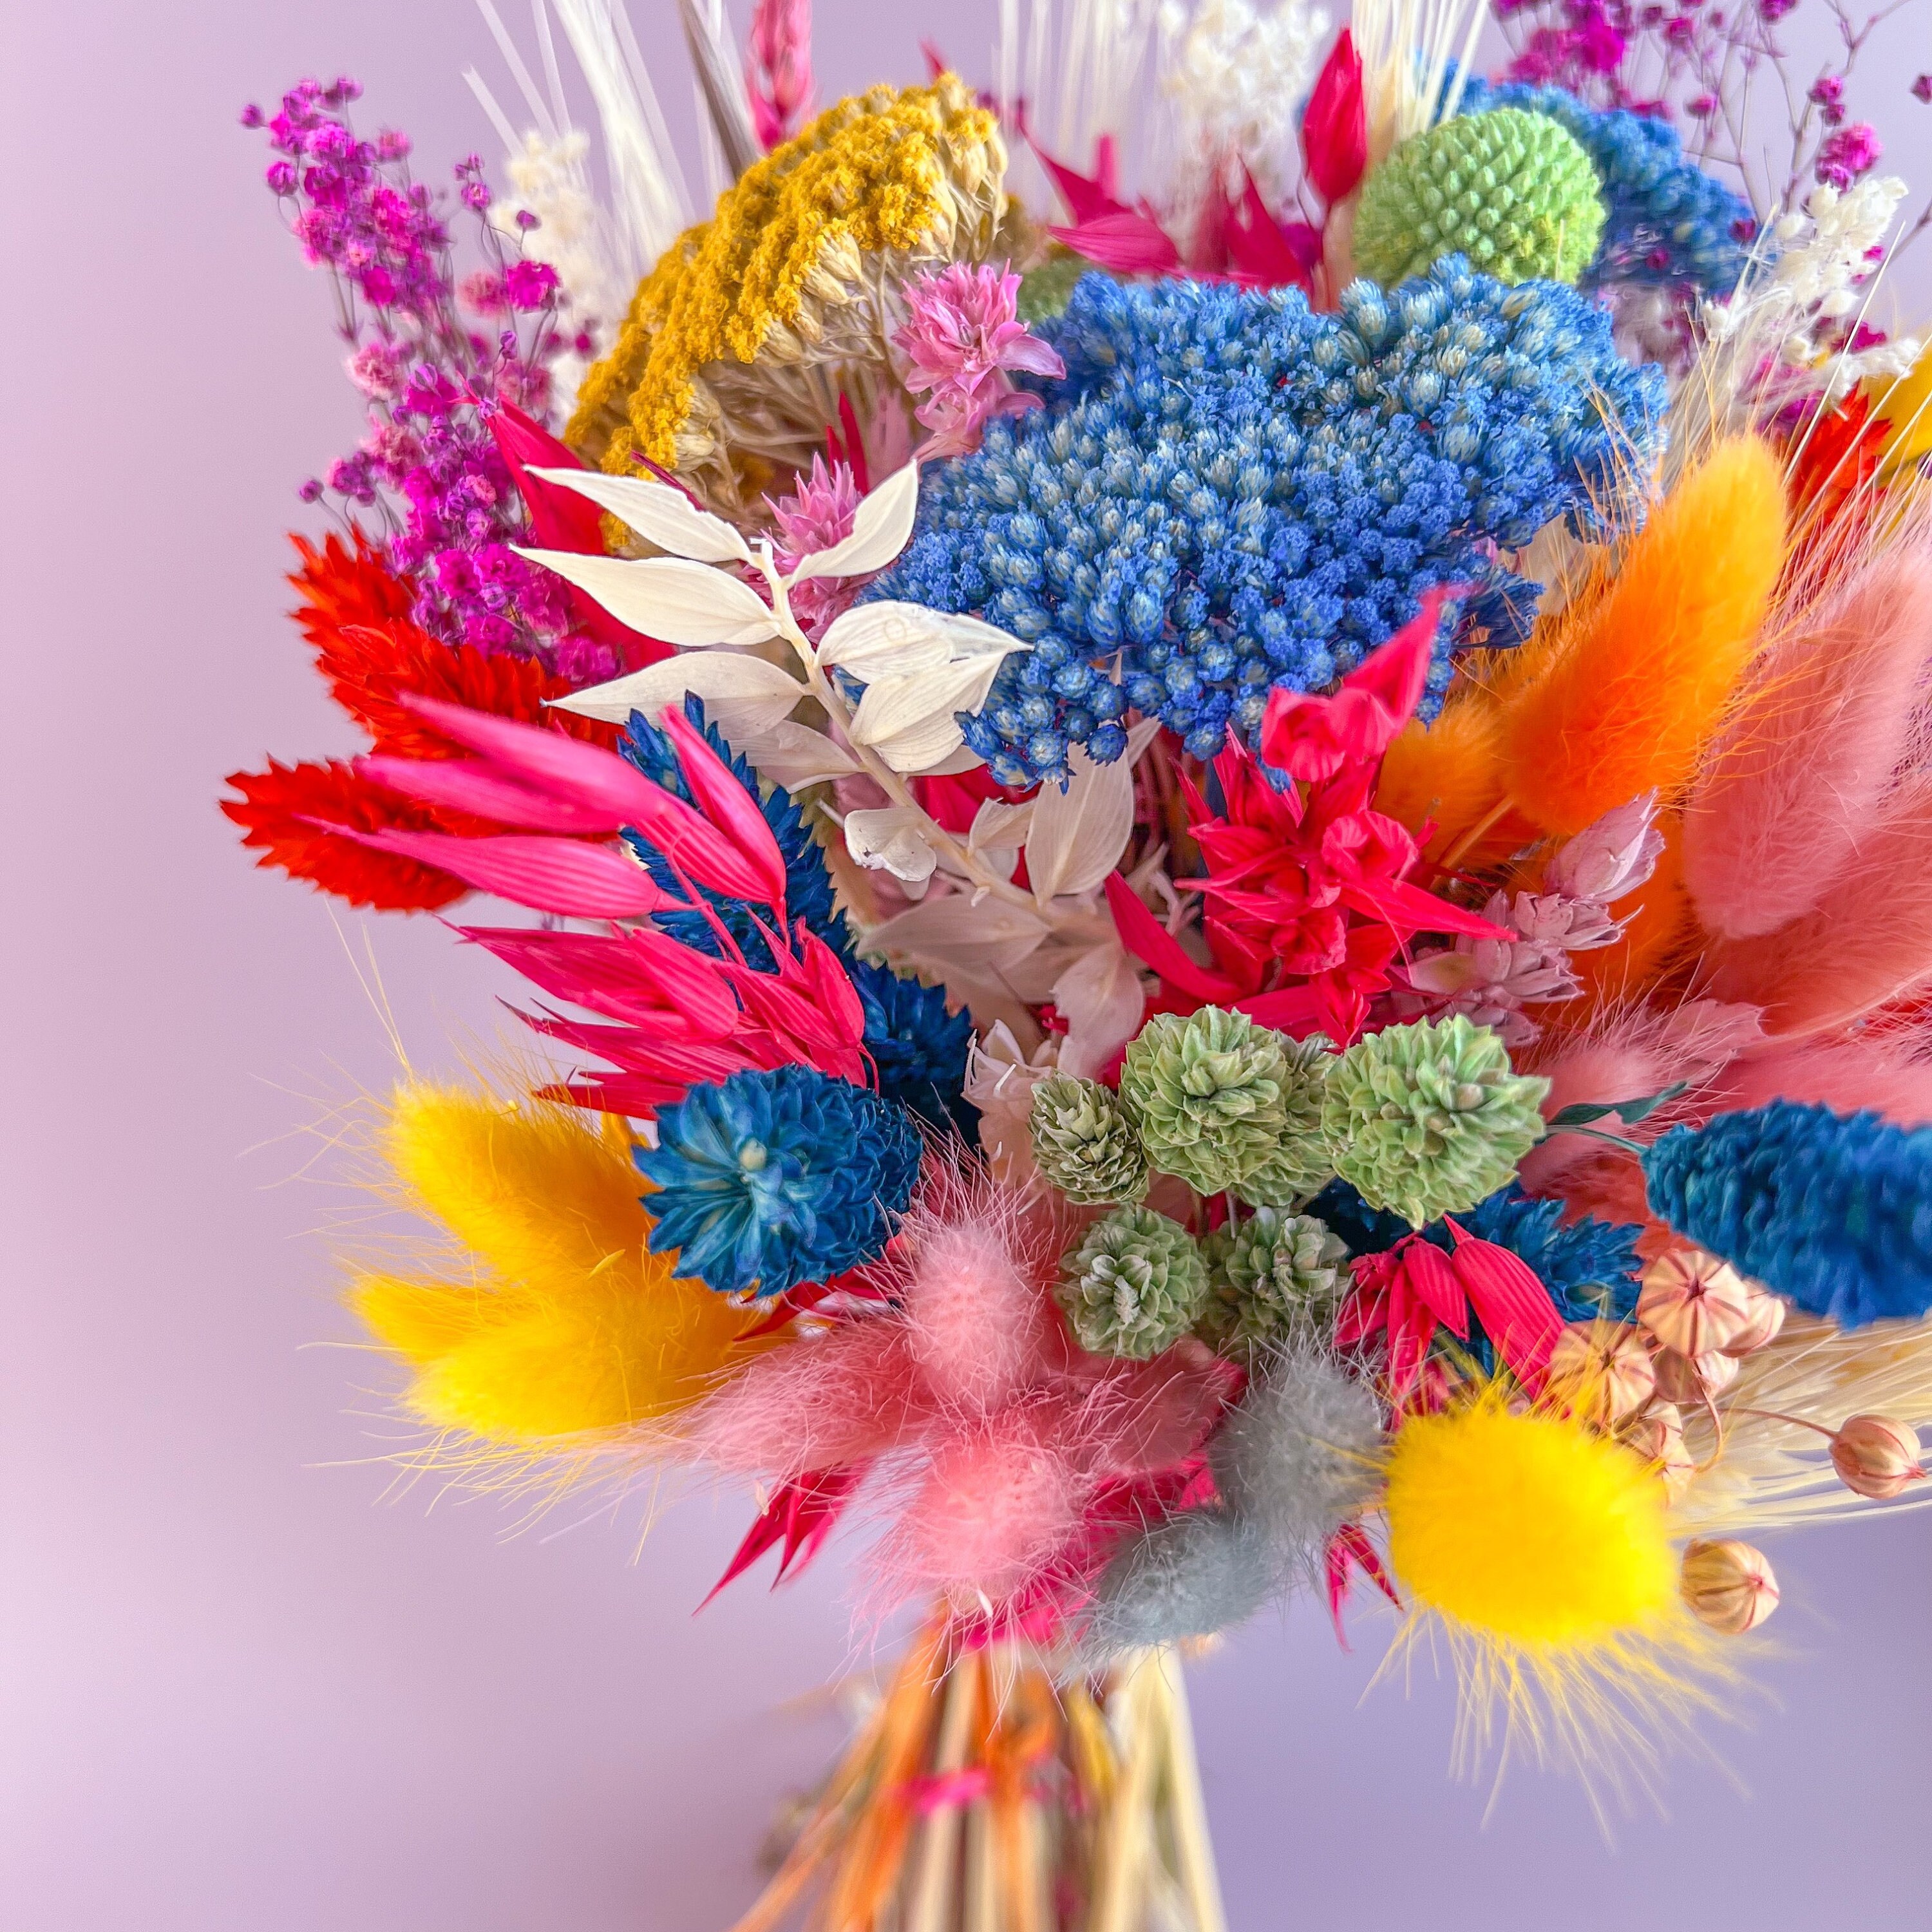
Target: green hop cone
(1512,190)
(1134,1285)
(1084,1143)
(1210,1093)
(1268,1276)
(1427,1120)
(1298,1164)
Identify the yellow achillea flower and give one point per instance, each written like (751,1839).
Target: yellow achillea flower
(1906,403)
(739,343)
(563,1324)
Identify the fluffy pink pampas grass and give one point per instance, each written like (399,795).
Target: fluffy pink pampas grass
(990,1437)
(1799,773)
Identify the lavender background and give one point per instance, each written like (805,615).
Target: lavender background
(244,1687)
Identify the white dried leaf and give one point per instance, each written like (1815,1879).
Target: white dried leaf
(972,637)
(666,597)
(910,722)
(998,826)
(880,527)
(891,839)
(964,758)
(1100,997)
(659,514)
(885,640)
(1078,834)
(952,934)
(796,756)
(743,697)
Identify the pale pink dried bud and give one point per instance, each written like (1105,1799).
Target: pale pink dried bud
(1762,1324)
(1657,1436)
(1612,857)
(1693,1302)
(1692,1379)
(1729,1586)
(1601,1371)
(1876,1457)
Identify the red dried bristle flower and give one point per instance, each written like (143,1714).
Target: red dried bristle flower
(277,810)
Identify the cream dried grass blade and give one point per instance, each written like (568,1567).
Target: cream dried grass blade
(721,85)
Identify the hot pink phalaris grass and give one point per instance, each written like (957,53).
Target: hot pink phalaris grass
(1799,775)
(992,1437)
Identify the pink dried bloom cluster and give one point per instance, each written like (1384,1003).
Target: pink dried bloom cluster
(1492,980)
(963,340)
(817,514)
(779,83)
(433,357)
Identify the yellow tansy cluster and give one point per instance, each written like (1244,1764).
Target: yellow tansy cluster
(740,342)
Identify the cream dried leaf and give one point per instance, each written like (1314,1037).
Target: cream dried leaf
(658,513)
(667,597)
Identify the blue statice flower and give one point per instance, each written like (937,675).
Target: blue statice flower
(1834,1210)
(1668,220)
(919,1048)
(1590,1267)
(765,1180)
(1228,492)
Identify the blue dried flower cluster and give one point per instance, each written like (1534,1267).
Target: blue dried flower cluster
(765,1180)
(1834,1210)
(919,1048)
(1668,220)
(1590,1267)
(1228,492)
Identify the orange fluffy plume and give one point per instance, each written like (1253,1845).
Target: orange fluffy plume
(1635,680)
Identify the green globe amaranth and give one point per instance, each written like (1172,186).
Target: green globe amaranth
(1298,1164)
(1084,1143)
(1210,1093)
(1134,1285)
(1268,1276)
(1512,190)
(1428,1119)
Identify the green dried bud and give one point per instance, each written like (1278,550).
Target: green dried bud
(1512,190)
(1045,291)
(1209,1093)
(1134,1285)
(1428,1119)
(1084,1143)
(1298,1165)
(1268,1277)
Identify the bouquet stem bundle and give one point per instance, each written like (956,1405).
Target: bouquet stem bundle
(982,1796)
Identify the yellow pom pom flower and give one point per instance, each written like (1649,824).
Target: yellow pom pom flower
(740,342)
(1541,1550)
(1529,1526)
(565,1325)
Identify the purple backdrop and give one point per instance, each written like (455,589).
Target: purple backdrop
(249,1686)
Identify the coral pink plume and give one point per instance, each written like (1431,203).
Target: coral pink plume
(820,1403)
(1867,941)
(1821,736)
(1628,1055)
(975,1324)
(1845,1076)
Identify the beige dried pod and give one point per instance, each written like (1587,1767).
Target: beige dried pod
(1762,1325)
(1729,1586)
(1693,1302)
(1692,1379)
(1601,1371)
(1657,1436)
(1876,1457)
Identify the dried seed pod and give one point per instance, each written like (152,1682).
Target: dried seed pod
(1876,1457)
(1693,1302)
(1762,1324)
(1657,1436)
(1692,1379)
(1729,1586)
(1601,1371)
